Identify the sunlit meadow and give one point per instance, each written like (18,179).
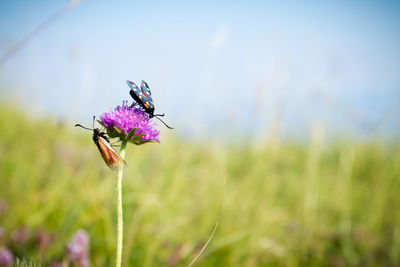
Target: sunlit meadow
(312,203)
(294,104)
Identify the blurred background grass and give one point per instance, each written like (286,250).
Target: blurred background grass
(290,204)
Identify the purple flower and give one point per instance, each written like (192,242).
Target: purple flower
(56,264)
(6,257)
(78,248)
(126,118)
(20,236)
(3,206)
(43,239)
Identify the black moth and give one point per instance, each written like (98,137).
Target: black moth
(110,156)
(143,97)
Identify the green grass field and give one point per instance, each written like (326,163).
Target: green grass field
(286,204)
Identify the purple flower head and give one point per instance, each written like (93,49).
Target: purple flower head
(6,257)
(43,239)
(3,206)
(130,121)
(56,264)
(20,236)
(78,248)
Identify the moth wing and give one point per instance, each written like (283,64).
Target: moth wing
(136,94)
(145,89)
(109,146)
(110,156)
(133,86)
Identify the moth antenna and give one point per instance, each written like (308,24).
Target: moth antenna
(164,123)
(78,125)
(159,115)
(94,117)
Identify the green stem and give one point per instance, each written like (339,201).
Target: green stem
(119,206)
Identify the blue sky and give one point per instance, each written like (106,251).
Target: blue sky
(229,68)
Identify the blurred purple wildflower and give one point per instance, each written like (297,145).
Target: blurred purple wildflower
(20,236)
(78,248)
(56,264)
(125,118)
(43,240)
(1,233)
(3,206)
(6,257)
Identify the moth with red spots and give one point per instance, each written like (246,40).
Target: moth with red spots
(143,97)
(110,156)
